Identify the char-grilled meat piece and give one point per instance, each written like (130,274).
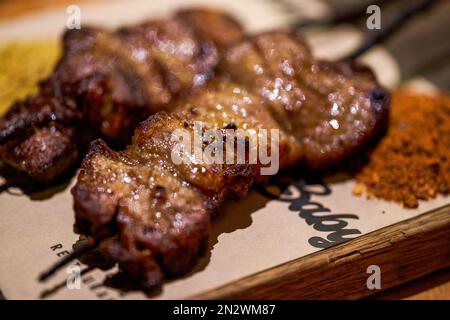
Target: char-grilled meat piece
(109,81)
(161,211)
(158,212)
(332,109)
(52,148)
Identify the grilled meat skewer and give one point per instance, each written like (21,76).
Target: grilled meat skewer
(110,81)
(331,109)
(158,213)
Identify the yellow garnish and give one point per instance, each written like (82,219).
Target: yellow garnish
(22,65)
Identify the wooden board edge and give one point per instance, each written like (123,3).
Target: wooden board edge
(403,251)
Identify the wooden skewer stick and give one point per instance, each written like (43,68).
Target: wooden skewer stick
(61,285)
(390,28)
(78,252)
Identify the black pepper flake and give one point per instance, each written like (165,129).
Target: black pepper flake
(148,230)
(193,110)
(160,192)
(378,93)
(231,125)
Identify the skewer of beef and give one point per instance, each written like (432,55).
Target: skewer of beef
(153,216)
(106,82)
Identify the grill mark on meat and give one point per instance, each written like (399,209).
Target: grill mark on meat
(129,69)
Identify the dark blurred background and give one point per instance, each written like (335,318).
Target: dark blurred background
(421,46)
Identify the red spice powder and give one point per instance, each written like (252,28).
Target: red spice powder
(412,162)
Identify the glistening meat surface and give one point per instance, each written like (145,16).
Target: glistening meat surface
(157,213)
(107,82)
(331,109)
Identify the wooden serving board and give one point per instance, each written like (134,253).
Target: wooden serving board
(404,251)
(260,248)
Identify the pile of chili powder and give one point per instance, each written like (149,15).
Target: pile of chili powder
(412,162)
